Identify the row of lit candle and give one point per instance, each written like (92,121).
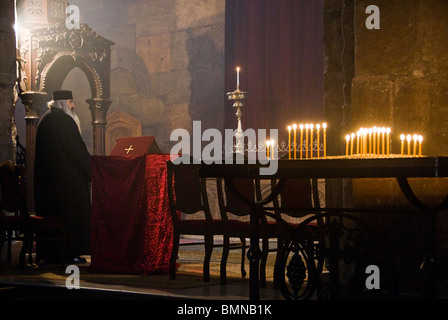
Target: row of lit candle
(416,138)
(309,139)
(374,141)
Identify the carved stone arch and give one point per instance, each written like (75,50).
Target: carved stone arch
(54,73)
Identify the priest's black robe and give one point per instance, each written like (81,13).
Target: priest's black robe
(61,182)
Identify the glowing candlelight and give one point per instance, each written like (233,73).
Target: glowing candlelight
(415,138)
(420,140)
(347,138)
(318,140)
(301,139)
(378,143)
(289,140)
(387,141)
(324,125)
(374,130)
(272,145)
(307,126)
(237,76)
(267,147)
(383,131)
(370,140)
(294,126)
(358,133)
(402,138)
(409,138)
(352,142)
(311,140)
(364,144)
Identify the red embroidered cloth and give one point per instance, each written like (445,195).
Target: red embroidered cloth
(131,222)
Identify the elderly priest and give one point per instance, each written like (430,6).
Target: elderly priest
(61,179)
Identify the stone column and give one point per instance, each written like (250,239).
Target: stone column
(33,102)
(99,107)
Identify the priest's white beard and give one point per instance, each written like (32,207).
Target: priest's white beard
(62,105)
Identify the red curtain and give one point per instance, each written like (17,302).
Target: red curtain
(279,46)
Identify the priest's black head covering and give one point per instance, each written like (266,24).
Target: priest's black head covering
(62,95)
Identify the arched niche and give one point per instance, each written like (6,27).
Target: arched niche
(120,125)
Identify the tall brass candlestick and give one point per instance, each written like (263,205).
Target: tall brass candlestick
(238,97)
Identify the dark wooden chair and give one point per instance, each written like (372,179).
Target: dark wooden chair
(27,228)
(235,213)
(190,212)
(297,200)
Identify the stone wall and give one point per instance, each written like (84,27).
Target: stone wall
(7,81)
(401,71)
(167,62)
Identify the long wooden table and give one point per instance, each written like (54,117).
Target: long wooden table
(394,166)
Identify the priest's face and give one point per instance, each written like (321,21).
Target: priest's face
(70,105)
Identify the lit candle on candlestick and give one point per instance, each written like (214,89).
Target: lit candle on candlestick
(402,137)
(267,147)
(237,76)
(374,130)
(347,138)
(415,137)
(383,131)
(364,144)
(420,140)
(307,126)
(301,139)
(358,133)
(272,146)
(324,126)
(387,141)
(409,138)
(311,140)
(289,141)
(378,141)
(294,127)
(370,140)
(352,142)
(318,140)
